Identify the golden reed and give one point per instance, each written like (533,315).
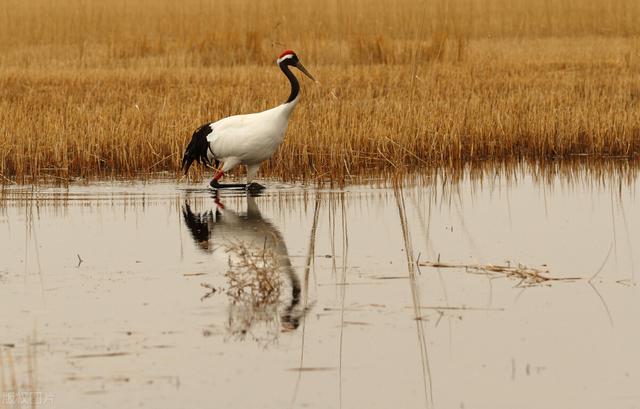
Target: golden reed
(92,88)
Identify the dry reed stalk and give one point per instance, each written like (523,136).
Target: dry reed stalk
(90,89)
(415,295)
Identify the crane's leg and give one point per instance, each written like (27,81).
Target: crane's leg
(227,166)
(251,173)
(219,205)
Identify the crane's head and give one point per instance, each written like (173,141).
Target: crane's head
(288,57)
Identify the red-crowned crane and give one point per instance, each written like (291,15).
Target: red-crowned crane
(245,139)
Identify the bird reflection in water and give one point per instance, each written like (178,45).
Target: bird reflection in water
(241,235)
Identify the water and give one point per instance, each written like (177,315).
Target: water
(106,295)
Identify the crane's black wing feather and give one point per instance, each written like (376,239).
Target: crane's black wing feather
(197,148)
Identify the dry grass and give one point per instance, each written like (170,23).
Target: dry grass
(116,88)
(253,275)
(254,288)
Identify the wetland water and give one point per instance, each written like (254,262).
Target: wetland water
(103,303)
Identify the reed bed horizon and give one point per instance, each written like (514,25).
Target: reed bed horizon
(90,89)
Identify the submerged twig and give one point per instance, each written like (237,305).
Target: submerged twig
(606,258)
(604,303)
(212,290)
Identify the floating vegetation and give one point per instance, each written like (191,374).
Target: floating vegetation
(254,290)
(526,275)
(253,275)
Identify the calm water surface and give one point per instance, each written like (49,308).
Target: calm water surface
(106,295)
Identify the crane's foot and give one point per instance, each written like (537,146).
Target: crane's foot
(255,187)
(217,185)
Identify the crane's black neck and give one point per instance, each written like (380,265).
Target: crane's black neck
(295,86)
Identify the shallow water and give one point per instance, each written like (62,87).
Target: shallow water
(103,303)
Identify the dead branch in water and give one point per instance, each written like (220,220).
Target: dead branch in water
(527,275)
(254,275)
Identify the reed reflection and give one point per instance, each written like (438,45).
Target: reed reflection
(261,284)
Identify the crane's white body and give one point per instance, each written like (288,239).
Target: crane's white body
(249,139)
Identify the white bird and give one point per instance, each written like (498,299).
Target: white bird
(245,139)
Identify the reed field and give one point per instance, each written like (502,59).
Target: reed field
(92,89)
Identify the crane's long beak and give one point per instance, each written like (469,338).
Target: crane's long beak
(304,71)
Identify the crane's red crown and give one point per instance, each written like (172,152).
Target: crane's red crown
(286,52)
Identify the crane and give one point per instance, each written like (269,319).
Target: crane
(246,139)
